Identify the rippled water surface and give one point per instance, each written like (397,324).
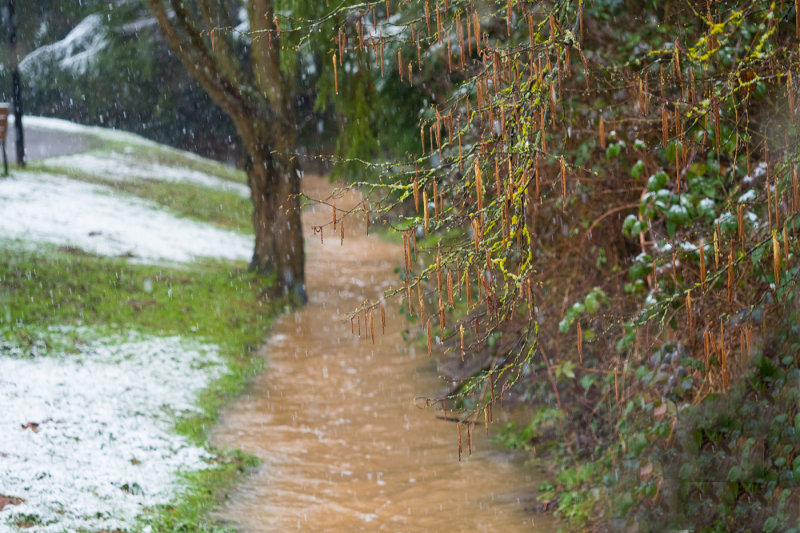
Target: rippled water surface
(344,447)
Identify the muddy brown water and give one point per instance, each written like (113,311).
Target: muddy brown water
(343,446)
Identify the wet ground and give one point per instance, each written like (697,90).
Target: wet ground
(343,446)
(41,143)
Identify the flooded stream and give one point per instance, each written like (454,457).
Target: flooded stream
(343,446)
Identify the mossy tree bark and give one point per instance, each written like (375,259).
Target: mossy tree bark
(249,85)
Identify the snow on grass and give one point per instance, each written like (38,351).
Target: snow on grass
(86,439)
(118,166)
(48,208)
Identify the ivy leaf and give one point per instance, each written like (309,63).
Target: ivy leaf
(771,524)
(637,169)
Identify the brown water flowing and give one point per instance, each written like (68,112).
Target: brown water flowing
(343,446)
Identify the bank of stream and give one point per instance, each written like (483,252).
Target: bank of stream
(343,446)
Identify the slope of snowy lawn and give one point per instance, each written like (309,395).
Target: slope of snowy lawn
(125,164)
(86,439)
(109,135)
(48,208)
(65,126)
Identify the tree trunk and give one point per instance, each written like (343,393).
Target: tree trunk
(278,252)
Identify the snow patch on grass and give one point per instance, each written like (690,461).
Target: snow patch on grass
(48,208)
(118,166)
(86,439)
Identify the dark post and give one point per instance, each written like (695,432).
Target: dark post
(16,90)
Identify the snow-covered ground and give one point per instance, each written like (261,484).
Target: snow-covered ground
(44,208)
(86,439)
(119,166)
(105,134)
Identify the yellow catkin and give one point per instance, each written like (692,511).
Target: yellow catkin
(341,233)
(467,285)
(425,209)
(716,247)
(797,18)
(400,64)
(335,75)
(421,303)
(478,185)
(689,316)
(450,289)
(371,327)
(486,419)
(406,246)
(383,319)
(333,209)
(776,257)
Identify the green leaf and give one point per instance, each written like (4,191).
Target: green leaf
(735,473)
(637,169)
(657,181)
(771,524)
(592,303)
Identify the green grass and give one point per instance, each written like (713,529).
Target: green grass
(213,301)
(187,200)
(218,302)
(190,512)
